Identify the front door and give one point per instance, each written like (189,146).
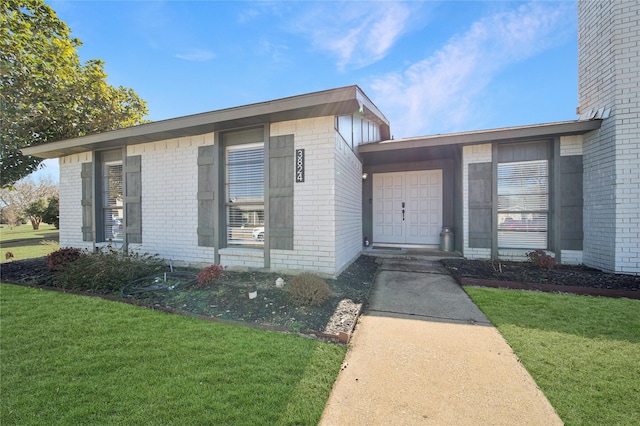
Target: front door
(407,207)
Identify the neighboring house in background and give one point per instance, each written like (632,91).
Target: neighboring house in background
(281,184)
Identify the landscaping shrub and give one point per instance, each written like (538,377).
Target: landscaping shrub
(60,258)
(541,259)
(210,275)
(106,271)
(308,289)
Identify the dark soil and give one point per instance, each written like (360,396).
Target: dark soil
(229,298)
(475,271)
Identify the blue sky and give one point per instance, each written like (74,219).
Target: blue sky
(431,67)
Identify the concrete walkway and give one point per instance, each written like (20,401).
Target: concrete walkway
(424,354)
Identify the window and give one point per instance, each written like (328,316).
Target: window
(523,206)
(356,130)
(345,128)
(245,194)
(112,216)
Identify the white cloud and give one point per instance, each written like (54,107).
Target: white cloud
(357,33)
(197,55)
(247,15)
(275,51)
(439,93)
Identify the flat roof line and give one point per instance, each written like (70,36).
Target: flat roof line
(484,136)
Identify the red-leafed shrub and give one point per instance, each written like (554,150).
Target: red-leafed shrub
(210,275)
(62,257)
(541,259)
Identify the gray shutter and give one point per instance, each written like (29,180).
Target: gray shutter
(480,211)
(281,176)
(133,199)
(206,195)
(571,202)
(86,176)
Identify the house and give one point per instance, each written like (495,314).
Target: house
(272,185)
(299,183)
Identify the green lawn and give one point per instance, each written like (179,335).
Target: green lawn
(70,359)
(583,352)
(25,243)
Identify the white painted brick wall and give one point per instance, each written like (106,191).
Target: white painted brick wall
(169,198)
(316,242)
(169,205)
(348,204)
(472,154)
(571,145)
(242,258)
(70,200)
(572,257)
(609,77)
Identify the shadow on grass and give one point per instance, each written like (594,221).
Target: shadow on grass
(30,242)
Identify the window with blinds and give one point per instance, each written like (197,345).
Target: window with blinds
(245,194)
(112,201)
(523,204)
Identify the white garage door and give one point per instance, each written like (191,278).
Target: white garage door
(407,207)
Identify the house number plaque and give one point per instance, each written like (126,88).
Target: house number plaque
(299,165)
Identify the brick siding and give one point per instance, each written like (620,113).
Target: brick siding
(70,201)
(609,78)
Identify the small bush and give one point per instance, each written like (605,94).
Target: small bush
(106,271)
(58,259)
(210,275)
(541,259)
(308,289)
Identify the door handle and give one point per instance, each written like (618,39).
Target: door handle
(403,211)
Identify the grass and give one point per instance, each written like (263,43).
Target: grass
(70,359)
(583,352)
(25,243)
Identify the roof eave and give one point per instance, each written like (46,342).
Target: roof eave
(345,100)
(542,131)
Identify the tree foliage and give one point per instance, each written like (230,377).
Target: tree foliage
(46,93)
(52,212)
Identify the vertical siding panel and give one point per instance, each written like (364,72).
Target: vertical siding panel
(206,196)
(571,227)
(133,199)
(480,205)
(281,176)
(87,201)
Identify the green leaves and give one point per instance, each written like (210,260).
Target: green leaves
(46,94)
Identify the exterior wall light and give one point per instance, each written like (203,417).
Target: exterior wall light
(364,176)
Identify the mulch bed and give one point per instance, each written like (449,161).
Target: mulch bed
(228,301)
(526,276)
